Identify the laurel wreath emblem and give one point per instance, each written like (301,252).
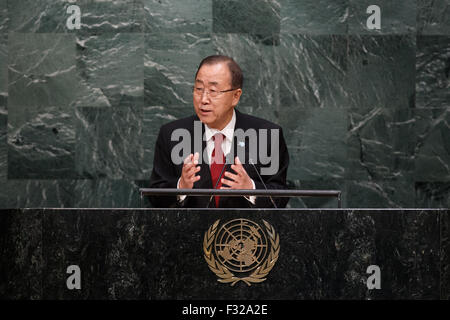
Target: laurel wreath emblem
(224,274)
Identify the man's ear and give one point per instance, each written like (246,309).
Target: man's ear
(236,96)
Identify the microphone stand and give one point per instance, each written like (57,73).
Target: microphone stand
(260,179)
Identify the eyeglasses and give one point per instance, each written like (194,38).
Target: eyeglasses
(212,93)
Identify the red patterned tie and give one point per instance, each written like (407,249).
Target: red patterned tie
(217,162)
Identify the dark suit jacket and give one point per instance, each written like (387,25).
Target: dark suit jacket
(165,174)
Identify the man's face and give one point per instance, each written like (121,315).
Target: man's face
(217,111)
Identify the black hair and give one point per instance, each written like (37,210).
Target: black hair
(237,78)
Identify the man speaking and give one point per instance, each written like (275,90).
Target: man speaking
(219,147)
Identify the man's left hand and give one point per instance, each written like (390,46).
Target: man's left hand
(240,180)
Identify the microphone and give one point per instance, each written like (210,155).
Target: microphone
(217,182)
(260,179)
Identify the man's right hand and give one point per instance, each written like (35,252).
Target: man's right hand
(190,168)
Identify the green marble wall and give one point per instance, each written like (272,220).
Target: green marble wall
(366,112)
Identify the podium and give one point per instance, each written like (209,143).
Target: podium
(161,253)
(241,192)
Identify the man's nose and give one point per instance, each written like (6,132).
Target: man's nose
(205,97)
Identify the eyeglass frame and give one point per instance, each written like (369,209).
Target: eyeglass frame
(208,92)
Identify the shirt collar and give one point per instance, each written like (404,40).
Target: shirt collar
(228,131)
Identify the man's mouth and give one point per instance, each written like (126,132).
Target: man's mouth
(205,111)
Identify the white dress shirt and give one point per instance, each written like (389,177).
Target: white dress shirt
(228,132)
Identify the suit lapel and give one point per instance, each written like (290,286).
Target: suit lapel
(205,181)
(233,151)
(240,124)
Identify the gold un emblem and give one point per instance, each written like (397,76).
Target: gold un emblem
(242,247)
